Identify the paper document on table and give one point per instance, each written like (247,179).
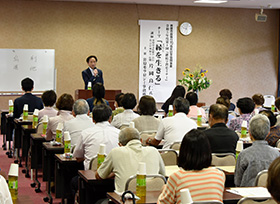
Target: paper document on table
(251,192)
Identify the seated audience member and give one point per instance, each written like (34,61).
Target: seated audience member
(274,133)
(259,101)
(98,93)
(245,106)
(192,98)
(81,121)
(178,91)
(256,158)
(146,108)
(273,181)
(64,105)
(124,118)
(225,101)
(173,129)
(49,99)
(118,105)
(227,93)
(102,133)
(204,182)
(33,102)
(277,105)
(123,161)
(5,195)
(221,138)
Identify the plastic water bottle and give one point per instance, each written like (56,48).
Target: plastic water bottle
(35,118)
(67,142)
(141,182)
(25,112)
(170,111)
(45,124)
(11,106)
(89,86)
(239,148)
(244,129)
(59,132)
(13,181)
(101,155)
(199,118)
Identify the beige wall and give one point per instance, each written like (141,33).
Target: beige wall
(239,53)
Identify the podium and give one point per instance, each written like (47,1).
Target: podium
(109,95)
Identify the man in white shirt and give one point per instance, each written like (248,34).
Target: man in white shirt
(81,121)
(173,129)
(102,133)
(128,102)
(123,161)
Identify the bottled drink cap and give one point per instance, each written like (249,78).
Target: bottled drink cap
(142,168)
(239,146)
(186,196)
(13,170)
(67,136)
(199,111)
(102,149)
(244,124)
(59,126)
(11,103)
(170,107)
(45,119)
(36,112)
(131,125)
(25,107)
(89,84)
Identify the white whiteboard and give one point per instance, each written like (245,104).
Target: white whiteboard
(17,64)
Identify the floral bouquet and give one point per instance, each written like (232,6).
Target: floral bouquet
(196,80)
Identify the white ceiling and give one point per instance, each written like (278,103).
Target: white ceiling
(251,4)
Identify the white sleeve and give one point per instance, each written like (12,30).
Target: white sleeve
(160,133)
(5,195)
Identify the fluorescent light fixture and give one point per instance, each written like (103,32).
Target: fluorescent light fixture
(210,1)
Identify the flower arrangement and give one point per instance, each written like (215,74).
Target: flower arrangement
(196,80)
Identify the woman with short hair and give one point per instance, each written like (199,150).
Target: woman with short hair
(204,182)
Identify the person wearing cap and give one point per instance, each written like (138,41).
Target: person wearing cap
(245,106)
(92,74)
(102,133)
(122,162)
(81,121)
(193,99)
(173,129)
(257,157)
(221,138)
(33,102)
(64,105)
(124,118)
(49,99)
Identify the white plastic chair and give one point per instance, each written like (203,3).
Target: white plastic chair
(169,156)
(261,178)
(223,159)
(256,200)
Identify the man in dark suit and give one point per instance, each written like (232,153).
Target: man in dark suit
(221,138)
(33,102)
(92,74)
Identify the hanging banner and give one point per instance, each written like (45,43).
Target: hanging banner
(158,58)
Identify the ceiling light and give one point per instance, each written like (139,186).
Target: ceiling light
(210,1)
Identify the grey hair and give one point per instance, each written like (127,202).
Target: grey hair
(128,134)
(80,107)
(259,126)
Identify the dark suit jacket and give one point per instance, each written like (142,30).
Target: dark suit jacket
(221,138)
(87,76)
(28,98)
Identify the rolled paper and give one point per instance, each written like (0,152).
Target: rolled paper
(13,170)
(131,125)
(186,197)
(25,107)
(36,112)
(239,146)
(59,126)
(67,136)
(142,168)
(11,103)
(102,149)
(244,124)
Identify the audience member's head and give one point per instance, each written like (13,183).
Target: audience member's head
(27,84)
(181,104)
(218,113)
(226,93)
(101,113)
(178,91)
(147,105)
(98,91)
(65,102)
(129,101)
(273,181)
(49,98)
(128,134)
(195,151)
(245,105)
(80,107)
(259,127)
(192,98)
(118,100)
(258,99)
(272,118)
(277,103)
(224,101)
